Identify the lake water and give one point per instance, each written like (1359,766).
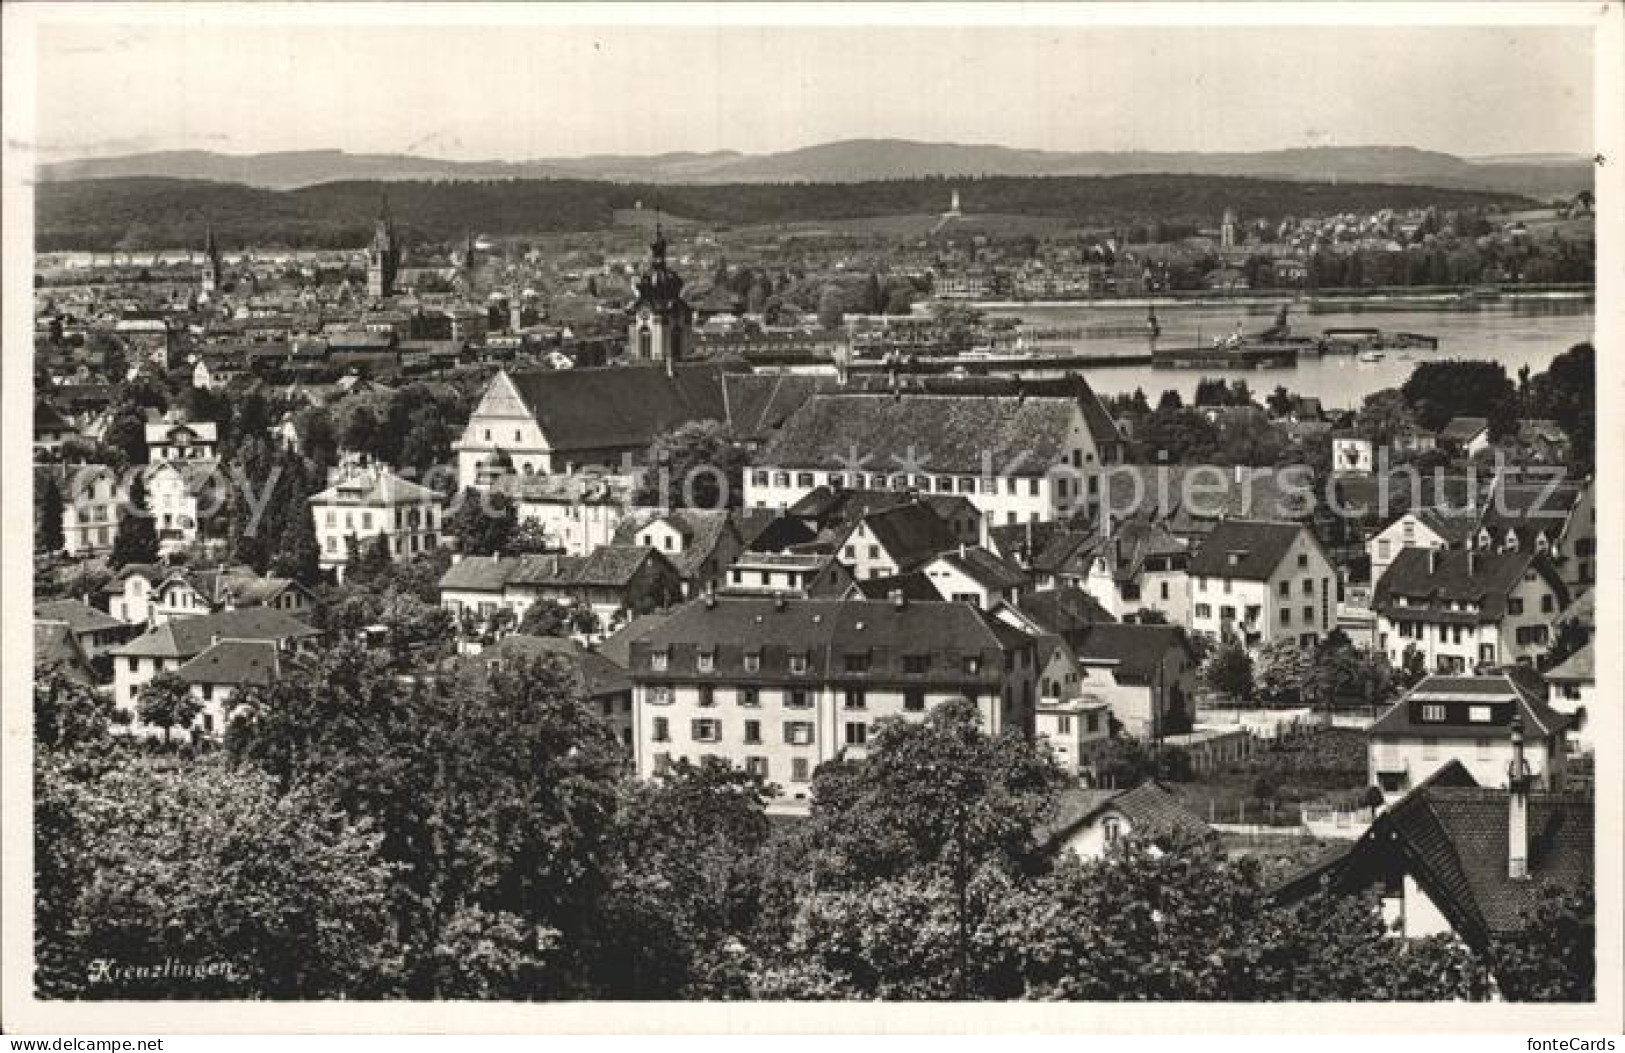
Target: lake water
(1515,333)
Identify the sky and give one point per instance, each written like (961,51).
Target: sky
(522,92)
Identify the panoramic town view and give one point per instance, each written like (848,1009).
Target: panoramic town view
(1080,569)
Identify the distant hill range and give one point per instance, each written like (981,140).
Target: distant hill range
(149,212)
(863,160)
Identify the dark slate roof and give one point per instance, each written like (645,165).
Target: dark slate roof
(1502,693)
(946,434)
(55,644)
(1072,386)
(614,566)
(79,616)
(1061,611)
(1193,496)
(1581,665)
(827,632)
(479,573)
(597,675)
(240,663)
(759,404)
(701,528)
(617,646)
(1451,836)
(185,637)
(1261,545)
(1137,649)
(984,567)
(1134,542)
(911,534)
(1019,541)
(586,409)
(1153,813)
(1434,579)
(914,585)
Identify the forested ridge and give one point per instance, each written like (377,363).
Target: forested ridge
(138,213)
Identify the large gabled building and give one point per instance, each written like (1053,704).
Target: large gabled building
(1462,610)
(1261,581)
(1017,458)
(780,685)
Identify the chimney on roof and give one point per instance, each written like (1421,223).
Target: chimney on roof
(214,638)
(897,598)
(778,601)
(961,550)
(1472,562)
(1518,780)
(1433,561)
(1234,557)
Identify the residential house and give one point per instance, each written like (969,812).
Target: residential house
(700,543)
(191,592)
(57,649)
(1469,720)
(92,505)
(613,581)
(604,685)
(367,502)
(1571,687)
(51,429)
(1260,581)
(577,512)
(779,686)
(175,437)
(1456,858)
(894,540)
(1551,516)
(1469,434)
(1091,822)
(181,492)
(1468,609)
(1419,528)
(167,647)
(222,671)
(95,631)
(1140,567)
(810,575)
(971,574)
(1146,673)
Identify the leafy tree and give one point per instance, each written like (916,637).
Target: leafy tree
(1342,671)
(136,540)
(529,538)
(1170,400)
(293,904)
(1283,671)
(495,801)
(1441,389)
(1553,957)
(1567,393)
(684,885)
(696,465)
(166,701)
(483,522)
(1383,417)
(551,618)
(48,514)
(1229,671)
(1185,436)
(68,713)
(317,439)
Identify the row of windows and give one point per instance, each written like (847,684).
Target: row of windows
(856,662)
(800,767)
(796,732)
(798,698)
(404,518)
(945,484)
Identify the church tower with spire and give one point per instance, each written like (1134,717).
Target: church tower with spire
(661,318)
(211,262)
(383,257)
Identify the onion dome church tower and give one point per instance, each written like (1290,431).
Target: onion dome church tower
(383,257)
(661,318)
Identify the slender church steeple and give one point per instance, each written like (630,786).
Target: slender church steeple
(210,282)
(661,318)
(383,256)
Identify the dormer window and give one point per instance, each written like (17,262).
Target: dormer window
(1433,714)
(798,664)
(916,664)
(857,662)
(659,660)
(706,661)
(753,661)
(973,664)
